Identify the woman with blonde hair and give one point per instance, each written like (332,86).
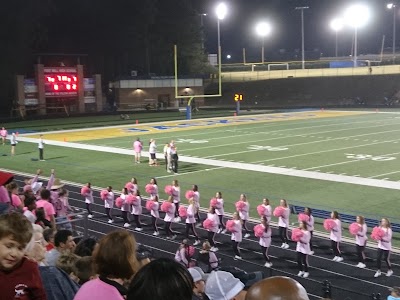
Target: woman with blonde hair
(384,247)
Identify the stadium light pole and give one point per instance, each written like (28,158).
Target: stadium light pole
(302,8)
(263,29)
(356,16)
(393,7)
(336,25)
(221,11)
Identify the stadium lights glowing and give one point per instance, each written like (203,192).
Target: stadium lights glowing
(357,15)
(263,29)
(221,11)
(337,24)
(390,5)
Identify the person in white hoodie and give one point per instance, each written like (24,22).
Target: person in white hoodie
(191,221)
(384,248)
(303,250)
(361,241)
(265,242)
(219,209)
(137,211)
(109,204)
(155,215)
(244,214)
(283,223)
(336,236)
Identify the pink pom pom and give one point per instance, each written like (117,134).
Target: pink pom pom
(166,206)
(297,234)
(231,226)
(208,224)
(169,189)
(329,224)
(189,194)
(85,190)
(103,194)
(150,205)
(129,186)
(182,212)
(150,189)
(377,233)
(119,202)
(240,205)
(354,228)
(130,199)
(191,251)
(261,210)
(303,217)
(213,202)
(259,230)
(279,211)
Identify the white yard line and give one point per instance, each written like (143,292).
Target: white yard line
(384,174)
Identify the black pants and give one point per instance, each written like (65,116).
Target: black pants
(88,208)
(191,227)
(245,227)
(360,253)
(235,246)
(40,154)
(125,217)
(210,238)
(137,221)
(264,251)
(311,245)
(302,261)
(174,163)
(176,209)
(167,228)
(197,216)
(154,223)
(283,234)
(386,255)
(221,222)
(335,248)
(166,162)
(108,213)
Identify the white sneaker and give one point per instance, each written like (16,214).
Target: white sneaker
(169,171)
(238,257)
(110,221)
(214,249)
(156,233)
(377,274)
(286,246)
(335,258)
(389,273)
(362,266)
(311,252)
(173,237)
(198,225)
(339,259)
(196,243)
(219,230)
(359,264)
(90,216)
(126,225)
(247,235)
(138,229)
(268,265)
(223,231)
(306,274)
(178,219)
(300,274)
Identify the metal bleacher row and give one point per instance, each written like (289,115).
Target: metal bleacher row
(346,218)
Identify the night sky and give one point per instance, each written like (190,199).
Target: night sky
(237,30)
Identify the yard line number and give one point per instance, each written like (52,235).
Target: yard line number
(369,157)
(191,141)
(268,148)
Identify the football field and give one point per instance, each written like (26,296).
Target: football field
(333,160)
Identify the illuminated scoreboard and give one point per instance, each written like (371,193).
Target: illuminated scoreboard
(61,82)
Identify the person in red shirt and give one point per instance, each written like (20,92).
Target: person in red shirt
(19,277)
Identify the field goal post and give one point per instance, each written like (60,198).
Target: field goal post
(275,65)
(191,97)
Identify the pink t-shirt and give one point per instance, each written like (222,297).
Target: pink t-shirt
(15,200)
(3,133)
(137,146)
(237,234)
(48,208)
(99,290)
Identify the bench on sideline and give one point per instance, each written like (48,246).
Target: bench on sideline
(346,218)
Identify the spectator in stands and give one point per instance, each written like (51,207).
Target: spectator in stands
(169,218)
(236,235)
(222,285)
(303,250)
(185,253)
(109,204)
(310,226)
(5,178)
(207,259)
(19,276)
(213,229)
(16,202)
(114,260)
(30,204)
(384,248)
(63,242)
(41,219)
(85,247)
(144,255)
(137,147)
(161,279)
(244,214)
(283,223)
(277,288)
(219,210)
(199,285)
(47,206)
(361,241)
(265,241)
(3,135)
(336,236)
(62,208)
(67,262)
(394,293)
(36,249)
(190,221)
(48,235)
(57,283)
(84,269)
(176,194)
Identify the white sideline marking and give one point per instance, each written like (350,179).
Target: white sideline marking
(384,174)
(241,166)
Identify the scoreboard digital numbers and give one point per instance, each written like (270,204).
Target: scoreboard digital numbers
(238,97)
(61,82)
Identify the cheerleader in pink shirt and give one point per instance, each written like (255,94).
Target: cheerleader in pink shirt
(236,235)
(267,210)
(137,211)
(191,221)
(153,182)
(155,215)
(132,185)
(336,236)
(169,218)
(361,241)
(3,135)
(125,208)
(384,248)
(244,214)
(265,241)
(196,198)
(176,194)
(213,229)
(283,223)
(219,209)
(109,203)
(310,226)
(88,194)
(303,250)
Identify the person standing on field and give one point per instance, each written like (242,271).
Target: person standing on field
(137,147)
(152,152)
(41,147)
(14,142)
(3,135)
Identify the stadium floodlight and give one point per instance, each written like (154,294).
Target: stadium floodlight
(302,8)
(393,7)
(336,25)
(263,29)
(356,16)
(221,11)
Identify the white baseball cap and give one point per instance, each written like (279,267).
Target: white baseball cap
(195,274)
(222,285)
